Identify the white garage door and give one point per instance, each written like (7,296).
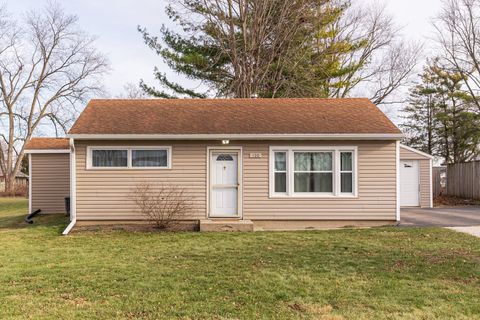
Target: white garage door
(409,183)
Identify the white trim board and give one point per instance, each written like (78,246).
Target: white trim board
(426,155)
(286,136)
(30,151)
(431,183)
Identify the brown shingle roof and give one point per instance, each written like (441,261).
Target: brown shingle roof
(47,144)
(232,116)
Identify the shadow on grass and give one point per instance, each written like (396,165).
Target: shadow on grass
(16,221)
(14,210)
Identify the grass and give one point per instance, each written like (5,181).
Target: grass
(381,273)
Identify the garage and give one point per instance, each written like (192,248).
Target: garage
(415,178)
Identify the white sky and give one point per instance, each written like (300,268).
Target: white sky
(115,22)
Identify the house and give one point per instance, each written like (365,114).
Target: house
(247,163)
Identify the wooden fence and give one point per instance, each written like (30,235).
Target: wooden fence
(463,180)
(439,177)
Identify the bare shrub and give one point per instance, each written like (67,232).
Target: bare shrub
(161,204)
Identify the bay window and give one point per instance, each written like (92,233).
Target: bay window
(312,171)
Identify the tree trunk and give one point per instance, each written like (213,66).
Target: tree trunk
(9,184)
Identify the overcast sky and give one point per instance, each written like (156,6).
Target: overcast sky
(115,22)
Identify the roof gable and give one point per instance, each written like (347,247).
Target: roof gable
(232,116)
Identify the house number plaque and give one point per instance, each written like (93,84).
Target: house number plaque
(255,155)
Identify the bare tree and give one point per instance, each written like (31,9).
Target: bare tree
(47,67)
(384,64)
(458,36)
(132,91)
(161,204)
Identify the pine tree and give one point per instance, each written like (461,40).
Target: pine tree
(278,48)
(421,125)
(441,118)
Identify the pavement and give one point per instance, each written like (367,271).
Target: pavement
(462,219)
(474,231)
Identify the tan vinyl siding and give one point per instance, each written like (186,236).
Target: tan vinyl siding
(424,176)
(105,194)
(410,155)
(50,178)
(376,187)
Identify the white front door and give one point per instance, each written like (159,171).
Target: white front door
(224,183)
(409,183)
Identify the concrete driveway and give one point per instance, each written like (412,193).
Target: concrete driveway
(440,217)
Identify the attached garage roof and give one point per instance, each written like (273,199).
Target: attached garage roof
(232,117)
(43,144)
(408,152)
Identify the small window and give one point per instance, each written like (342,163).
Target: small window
(109,158)
(313,172)
(149,158)
(224,157)
(346,172)
(280,172)
(129,157)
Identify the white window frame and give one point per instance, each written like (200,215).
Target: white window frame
(129,150)
(290,150)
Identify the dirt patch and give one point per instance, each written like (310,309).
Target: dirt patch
(450,201)
(140,227)
(317,311)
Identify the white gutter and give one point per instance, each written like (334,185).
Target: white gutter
(73,190)
(30,151)
(314,136)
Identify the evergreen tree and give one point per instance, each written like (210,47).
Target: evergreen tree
(277,48)
(441,118)
(421,125)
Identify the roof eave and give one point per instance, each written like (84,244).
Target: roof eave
(315,136)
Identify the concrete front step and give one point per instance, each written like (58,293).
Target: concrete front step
(226,225)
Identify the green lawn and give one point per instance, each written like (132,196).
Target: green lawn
(384,273)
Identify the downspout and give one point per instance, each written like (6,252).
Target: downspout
(30,183)
(73,190)
(397,169)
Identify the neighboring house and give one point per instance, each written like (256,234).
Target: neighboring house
(21,181)
(263,163)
